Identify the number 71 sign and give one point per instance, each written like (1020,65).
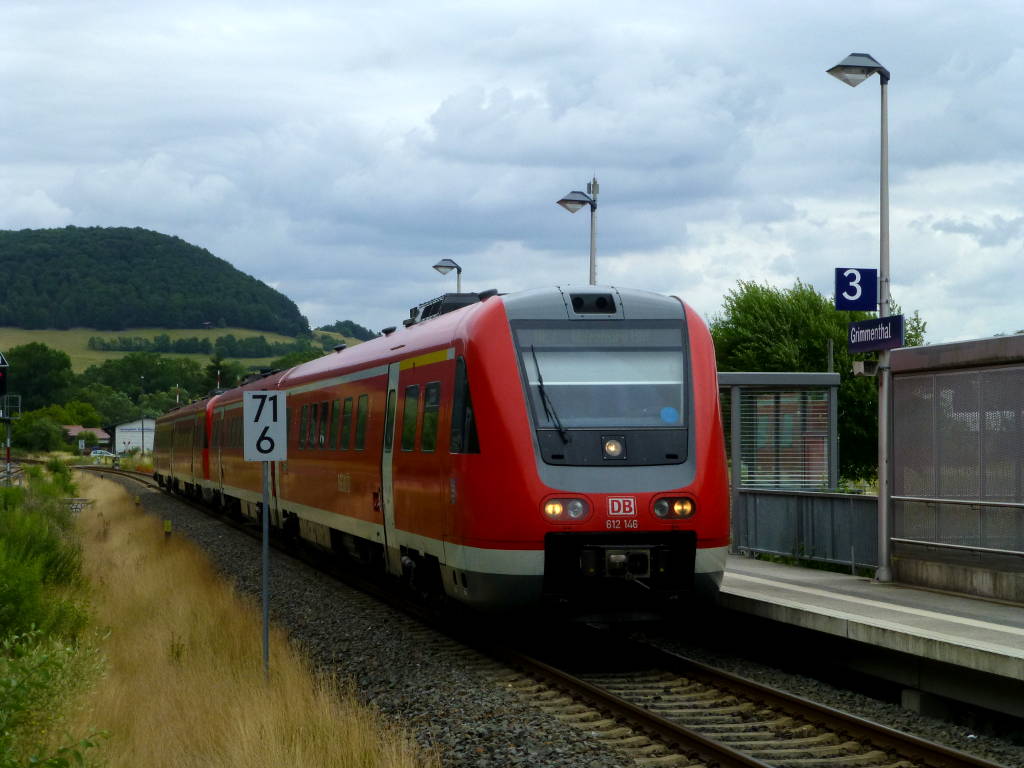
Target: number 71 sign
(265,428)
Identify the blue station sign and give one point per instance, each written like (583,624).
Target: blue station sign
(856,289)
(877,333)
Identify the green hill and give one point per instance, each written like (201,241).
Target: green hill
(111,279)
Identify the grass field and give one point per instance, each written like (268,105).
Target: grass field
(75,342)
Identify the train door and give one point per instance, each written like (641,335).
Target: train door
(391,551)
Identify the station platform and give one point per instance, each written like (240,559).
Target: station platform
(924,635)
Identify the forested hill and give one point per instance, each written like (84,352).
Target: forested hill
(115,278)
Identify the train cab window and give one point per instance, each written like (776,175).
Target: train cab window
(346,424)
(410,411)
(322,440)
(431,409)
(335,414)
(362,411)
(303,422)
(464,438)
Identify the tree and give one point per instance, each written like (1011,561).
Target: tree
(41,375)
(35,431)
(114,407)
(763,328)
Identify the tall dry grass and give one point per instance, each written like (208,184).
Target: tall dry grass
(184,681)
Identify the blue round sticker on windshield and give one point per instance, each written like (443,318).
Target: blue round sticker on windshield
(669,415)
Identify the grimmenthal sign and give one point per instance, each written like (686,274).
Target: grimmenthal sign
(877,333)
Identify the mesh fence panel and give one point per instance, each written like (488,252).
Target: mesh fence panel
(784,438)
(958,436)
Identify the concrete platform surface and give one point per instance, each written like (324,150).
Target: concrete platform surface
(971,633)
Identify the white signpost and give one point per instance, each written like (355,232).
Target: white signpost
(264,438)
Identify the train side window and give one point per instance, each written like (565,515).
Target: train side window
(314,417)
(362,410)
(216,432)
(389,422)
(464,437)
(335,414)
(303,421)
(322,440)
(287,425)
(431,409)
(410,411)
(346,424)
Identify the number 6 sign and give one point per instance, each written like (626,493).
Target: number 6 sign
(856,289)
(265,433)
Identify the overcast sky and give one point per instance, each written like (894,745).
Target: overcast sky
(337,150)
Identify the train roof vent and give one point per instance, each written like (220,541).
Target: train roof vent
(388,331)
(339,347)
(593,303)
(449,302)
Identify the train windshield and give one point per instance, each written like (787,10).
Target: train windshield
(595,374)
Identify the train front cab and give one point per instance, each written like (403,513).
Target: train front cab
(622,400)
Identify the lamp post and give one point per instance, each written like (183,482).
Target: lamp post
(572,203)
(444,266)
(854,70)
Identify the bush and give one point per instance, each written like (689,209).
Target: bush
(37,676)
(39,561)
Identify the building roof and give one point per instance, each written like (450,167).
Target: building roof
(74,430)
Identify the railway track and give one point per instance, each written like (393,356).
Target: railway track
(664,709)
(661,709)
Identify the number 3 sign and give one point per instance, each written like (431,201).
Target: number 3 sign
(265,433)
(856,289)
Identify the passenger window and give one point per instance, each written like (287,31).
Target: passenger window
(314,414)
(346,423)
(304,420)
(335,414)
(464,437)
(362,412)
(322,441)
(409,414)
(389,423)
(431,409)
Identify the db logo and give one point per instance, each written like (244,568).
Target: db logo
(621,506)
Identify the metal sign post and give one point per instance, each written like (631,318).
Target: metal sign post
(265,439)
(5,415)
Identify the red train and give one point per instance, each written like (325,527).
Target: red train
(559,447)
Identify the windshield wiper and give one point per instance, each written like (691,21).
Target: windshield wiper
(545,400)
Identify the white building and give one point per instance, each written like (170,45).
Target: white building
(132,434)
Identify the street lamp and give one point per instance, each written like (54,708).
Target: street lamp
(572,203)
(854,70)
(444,266)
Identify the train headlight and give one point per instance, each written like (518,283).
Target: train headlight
(566,510)
(674,508)
(614,447)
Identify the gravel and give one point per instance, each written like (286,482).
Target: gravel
(452,699)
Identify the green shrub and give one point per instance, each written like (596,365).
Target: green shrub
(37,676)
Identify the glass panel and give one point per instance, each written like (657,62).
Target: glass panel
(322,440)
(346,424)
(431,409)
(604,377)
(335,415)
(362,408)
(389,422)
(463,437)
(303,422)
(409,414)
(314,414)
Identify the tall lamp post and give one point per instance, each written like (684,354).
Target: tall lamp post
(572,203)
(854,70)
(444,266)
